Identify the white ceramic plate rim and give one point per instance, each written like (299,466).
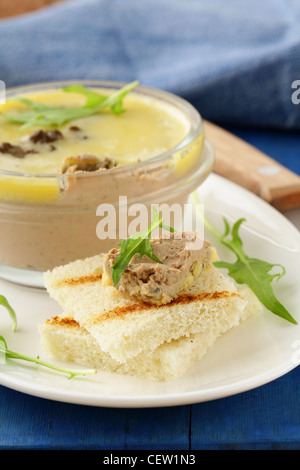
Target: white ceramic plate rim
(147,401)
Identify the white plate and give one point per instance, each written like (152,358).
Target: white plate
(257,352)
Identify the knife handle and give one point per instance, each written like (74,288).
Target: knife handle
(247,166)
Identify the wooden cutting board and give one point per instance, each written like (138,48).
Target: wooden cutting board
(247,166)
(10,8)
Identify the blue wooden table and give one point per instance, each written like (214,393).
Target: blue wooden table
(265,418)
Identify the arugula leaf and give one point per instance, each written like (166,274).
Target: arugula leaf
(42,115)
(4,302)
(93,98)
(250,271)
(139,243)
(15,355)
(36,105)
(7,353)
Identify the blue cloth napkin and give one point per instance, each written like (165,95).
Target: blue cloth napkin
(235,61)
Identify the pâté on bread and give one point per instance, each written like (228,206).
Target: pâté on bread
(156,322)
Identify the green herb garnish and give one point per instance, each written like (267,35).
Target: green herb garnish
(139,243)
(7,353)
(15,355)
(43,115)
(4,302)
(255,273)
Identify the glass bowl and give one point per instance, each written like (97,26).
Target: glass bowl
(47,220)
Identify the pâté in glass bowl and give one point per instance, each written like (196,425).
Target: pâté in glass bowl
(67,148)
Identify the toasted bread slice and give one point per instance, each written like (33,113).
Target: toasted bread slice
(65,340)
(124,328)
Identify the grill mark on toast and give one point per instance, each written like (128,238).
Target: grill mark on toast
(182,300)
(73,281)
(63,321)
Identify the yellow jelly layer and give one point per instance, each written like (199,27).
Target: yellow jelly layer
(29,189)
(146,129)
